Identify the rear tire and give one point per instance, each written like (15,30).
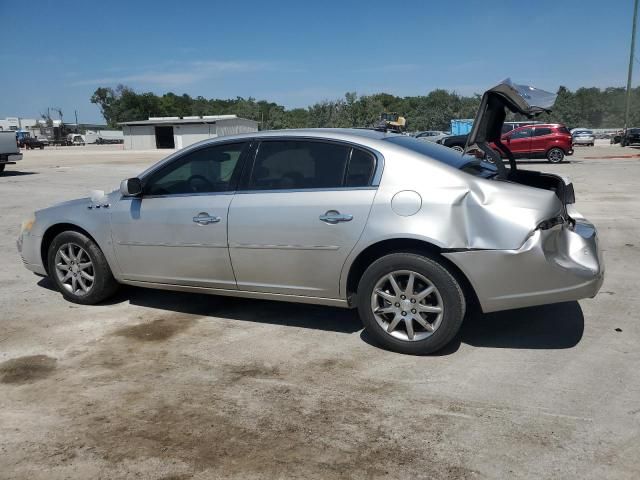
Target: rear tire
(555,155)
(79,269)
(397,317)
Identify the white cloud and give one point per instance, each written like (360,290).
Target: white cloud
(180,74)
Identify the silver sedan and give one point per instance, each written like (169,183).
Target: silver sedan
(408,232)
(582,136)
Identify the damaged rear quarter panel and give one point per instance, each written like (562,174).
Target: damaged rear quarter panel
(459,211)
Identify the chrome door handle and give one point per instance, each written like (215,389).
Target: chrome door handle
(333,216)
(203,218)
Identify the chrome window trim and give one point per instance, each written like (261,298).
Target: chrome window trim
(375,180)
(302,190)
(201,194)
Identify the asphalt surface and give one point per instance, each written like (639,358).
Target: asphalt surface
(165,385)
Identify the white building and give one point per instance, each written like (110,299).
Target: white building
(17,123)
(176,132)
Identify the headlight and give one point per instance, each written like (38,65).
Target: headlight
(27,224)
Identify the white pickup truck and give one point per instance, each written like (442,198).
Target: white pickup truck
(9,151)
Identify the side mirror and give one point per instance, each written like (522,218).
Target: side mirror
(131,187)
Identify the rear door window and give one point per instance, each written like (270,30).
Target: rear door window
(299,164)
(361,167)
(542,131)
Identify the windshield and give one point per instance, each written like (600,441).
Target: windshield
(634,130)
(466,163)
(584,132)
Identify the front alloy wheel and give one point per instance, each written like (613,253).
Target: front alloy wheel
(407,305)
(74,269)
(79,269)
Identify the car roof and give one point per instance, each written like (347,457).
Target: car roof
(355,135)
(539,125)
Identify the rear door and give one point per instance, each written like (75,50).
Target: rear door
(519,142)
(540,141)
(305,204)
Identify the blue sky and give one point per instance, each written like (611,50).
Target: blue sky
(56,53)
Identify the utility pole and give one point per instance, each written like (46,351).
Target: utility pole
(76,112)
(631,59)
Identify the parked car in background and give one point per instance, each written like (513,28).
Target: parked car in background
(431,135)
(458,142)
(630,137)
(31,143)
(583,136)
(616,137)
(550,141)
(75,139)
(9,150)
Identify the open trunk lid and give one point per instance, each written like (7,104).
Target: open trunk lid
(487,128)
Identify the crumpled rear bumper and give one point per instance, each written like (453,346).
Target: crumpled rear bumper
(556,265)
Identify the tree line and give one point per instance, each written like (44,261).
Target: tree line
(584,107)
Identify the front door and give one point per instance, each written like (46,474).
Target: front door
(305,205)
(176,232)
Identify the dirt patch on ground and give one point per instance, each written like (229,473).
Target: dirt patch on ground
(157,330)
(26,369)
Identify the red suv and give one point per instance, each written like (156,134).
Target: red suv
(550,140)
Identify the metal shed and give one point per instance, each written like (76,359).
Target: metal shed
(176,132)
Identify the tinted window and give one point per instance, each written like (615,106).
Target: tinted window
(466,163)
(563,130)
(205,170)
(539,132)
(525,133)
(296,164)
(361,167)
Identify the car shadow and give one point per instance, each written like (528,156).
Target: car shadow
(547,327)
(15,173)
(555,326)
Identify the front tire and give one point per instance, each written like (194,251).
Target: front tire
(555,155)
(79,269)
(410,303)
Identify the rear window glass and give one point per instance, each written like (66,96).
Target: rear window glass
(633,130)
(563,130)
(466,163)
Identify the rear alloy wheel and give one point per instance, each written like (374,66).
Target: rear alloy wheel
(555,155)
(79,269)
(410,303)
(458,148)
